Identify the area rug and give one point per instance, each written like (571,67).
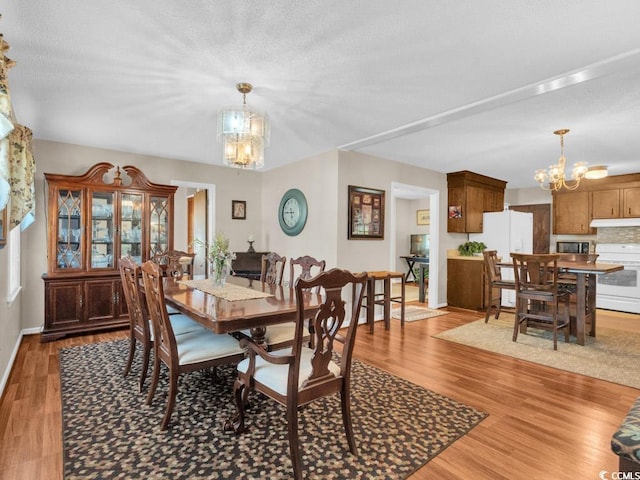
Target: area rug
(612,355)
(413,313)
(110,433)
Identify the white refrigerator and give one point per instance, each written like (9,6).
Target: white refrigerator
(507,231)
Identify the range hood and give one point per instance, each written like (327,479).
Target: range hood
(615,222)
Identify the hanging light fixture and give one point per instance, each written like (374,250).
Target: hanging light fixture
(554,178)
(244,133)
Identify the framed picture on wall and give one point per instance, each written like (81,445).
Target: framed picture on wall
(366,213)
(238,209)
(3,226)
(423,217)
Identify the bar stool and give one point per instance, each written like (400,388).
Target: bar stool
(384,298)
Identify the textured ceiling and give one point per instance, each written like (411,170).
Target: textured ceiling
(445,85)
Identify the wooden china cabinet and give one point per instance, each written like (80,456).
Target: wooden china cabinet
(93,220)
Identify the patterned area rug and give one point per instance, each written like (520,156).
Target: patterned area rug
(110,433)
(413,313)
(612,355)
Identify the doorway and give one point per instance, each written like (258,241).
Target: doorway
(431,200)
(195,218)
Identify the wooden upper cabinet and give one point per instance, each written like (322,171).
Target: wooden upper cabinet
(571,213)
(617,196)
(469,196)
(605,204)
(631,202)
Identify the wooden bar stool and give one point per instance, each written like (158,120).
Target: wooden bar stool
(384,298)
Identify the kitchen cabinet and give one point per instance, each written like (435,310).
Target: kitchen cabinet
(469,196)
(616,203)
(605,203)
(631,202)
(466,283)
(95,219)
(617,196)
(571,213)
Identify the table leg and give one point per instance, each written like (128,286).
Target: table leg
(421,284)
(411,263)
(591,303)
(581,307)
(258,335)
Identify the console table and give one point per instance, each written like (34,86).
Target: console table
(411,261)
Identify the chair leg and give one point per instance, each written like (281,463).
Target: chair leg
(155,377)
(345,398)
(132,351)
(171,401)
(146,354)
(292,427)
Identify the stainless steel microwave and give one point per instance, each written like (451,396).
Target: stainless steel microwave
(572,247)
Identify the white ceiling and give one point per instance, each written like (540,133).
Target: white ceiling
(446,85)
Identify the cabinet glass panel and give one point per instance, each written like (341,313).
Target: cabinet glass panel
(131,226)
(159,225)
(102,229)
(69,229)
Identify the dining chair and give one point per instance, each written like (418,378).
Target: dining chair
(281,335)
(495,283)
(140,329)
(299,375)
(272,270)
(538,297)
(180,353)
(177,264)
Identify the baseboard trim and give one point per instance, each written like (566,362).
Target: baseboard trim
(14,354)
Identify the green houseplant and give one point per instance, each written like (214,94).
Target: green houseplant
(467,249)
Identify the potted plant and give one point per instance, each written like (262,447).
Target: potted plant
(468,249)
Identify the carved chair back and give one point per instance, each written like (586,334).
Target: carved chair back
(272,268)
(307,266)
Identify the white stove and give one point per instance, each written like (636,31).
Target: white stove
(619,290)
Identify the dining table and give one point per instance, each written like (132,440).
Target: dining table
(586,283)
(240,305)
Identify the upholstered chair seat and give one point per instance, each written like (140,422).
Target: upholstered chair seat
(203,345)
(274,376)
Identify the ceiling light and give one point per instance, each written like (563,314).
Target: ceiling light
(244,133)
(555,176)
(594,173)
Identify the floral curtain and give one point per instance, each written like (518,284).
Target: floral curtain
(5,123)
(17,166)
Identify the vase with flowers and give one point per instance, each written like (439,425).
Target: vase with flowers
(219,258)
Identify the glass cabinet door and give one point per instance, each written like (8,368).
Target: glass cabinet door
(131,226)
(102,230)
(69,229)
(158,225)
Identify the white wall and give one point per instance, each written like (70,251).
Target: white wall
(316,178)
(368,171)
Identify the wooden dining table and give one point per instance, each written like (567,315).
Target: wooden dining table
(586,283)
(227,316)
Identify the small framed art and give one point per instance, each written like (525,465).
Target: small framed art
(238,209)
(423,217)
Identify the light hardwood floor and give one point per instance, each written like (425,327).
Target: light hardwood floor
(543,423)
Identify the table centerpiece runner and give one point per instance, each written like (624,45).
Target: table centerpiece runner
(229,292)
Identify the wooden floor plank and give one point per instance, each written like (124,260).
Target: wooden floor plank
(543,423)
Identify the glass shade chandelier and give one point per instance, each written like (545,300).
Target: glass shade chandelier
(555,179)
(244,133)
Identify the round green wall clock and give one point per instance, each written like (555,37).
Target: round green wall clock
(292,212)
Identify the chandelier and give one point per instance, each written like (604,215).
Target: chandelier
(244,133)
(554,178)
